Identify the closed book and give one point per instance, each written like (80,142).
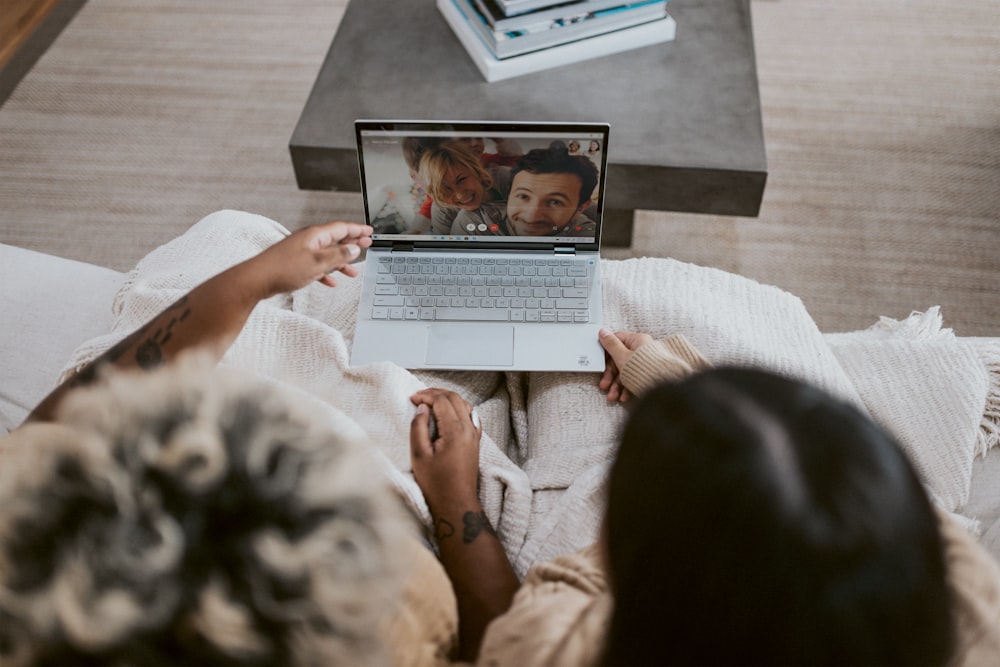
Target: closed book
(547,34)
(515,7)
(565,11)
(496,69)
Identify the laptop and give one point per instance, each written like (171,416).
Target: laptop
(486,245)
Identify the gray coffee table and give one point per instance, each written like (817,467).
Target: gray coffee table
(685,118)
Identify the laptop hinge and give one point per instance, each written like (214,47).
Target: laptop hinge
(402,246)
(564,250)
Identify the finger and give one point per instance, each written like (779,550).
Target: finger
(338,258)
(432,394)
(426,395)
(454,415)
(342,254)
(440,401)
(633,340)
(350,271)
(614,391)
(626,395)
(448,410)
(609,375)
(363,239)
(323,239)
(420,437)
(331,233)
(614,346)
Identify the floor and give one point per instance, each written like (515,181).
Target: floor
(33,38)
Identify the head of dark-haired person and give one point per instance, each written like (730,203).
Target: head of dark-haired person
(556,159)
(753,519)
(549,191)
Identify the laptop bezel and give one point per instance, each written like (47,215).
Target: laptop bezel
(486,127)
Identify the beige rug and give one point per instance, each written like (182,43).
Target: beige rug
(881,117)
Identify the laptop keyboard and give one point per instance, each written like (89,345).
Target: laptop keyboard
(492,289)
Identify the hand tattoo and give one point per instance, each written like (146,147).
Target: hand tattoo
(475,523)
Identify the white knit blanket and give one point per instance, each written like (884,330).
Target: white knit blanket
(548,437)
(938,394)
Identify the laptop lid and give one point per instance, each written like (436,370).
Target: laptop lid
(514,166)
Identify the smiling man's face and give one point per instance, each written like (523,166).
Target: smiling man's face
(543,204)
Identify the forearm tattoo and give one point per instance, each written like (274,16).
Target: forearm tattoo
(149,349)
(475,523)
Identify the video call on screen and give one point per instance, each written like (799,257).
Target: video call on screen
(475,200)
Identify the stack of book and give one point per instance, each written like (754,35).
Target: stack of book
(507,38)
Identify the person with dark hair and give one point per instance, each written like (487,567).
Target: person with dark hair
(751,519)
(550,190)
(785,522)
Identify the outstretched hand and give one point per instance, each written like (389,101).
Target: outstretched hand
(212,314)
(312,254)
(618,347)
(447,467)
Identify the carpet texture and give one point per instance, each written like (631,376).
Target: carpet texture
(881,120)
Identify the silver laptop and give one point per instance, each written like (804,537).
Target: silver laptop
(486,241)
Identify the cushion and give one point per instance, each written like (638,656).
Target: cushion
(49,306)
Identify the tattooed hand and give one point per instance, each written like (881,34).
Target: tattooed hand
(446,468)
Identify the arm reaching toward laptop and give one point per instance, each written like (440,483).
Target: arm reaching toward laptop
(212,314)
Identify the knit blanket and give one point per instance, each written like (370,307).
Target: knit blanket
(548,438)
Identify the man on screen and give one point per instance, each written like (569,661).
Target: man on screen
(550,189)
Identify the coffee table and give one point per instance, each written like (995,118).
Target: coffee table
(686,131)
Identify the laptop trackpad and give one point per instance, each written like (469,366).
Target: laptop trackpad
(474,345)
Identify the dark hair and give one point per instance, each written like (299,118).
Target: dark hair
(753,519)
(193,517)
(556,159)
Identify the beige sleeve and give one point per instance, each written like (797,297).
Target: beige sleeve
(558,618)
(670,358)
(974,578)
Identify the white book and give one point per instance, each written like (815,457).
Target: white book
(515,7)
(495,69)
(547,34)
(499,22)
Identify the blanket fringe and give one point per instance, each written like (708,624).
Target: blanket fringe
(989,427)
(918,326)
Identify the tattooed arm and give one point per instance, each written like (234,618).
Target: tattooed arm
(212,314)
(447,470)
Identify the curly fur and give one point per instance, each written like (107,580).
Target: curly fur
(193,515)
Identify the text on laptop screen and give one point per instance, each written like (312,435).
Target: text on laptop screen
(482,183)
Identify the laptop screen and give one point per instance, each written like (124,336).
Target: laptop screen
(483,183)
